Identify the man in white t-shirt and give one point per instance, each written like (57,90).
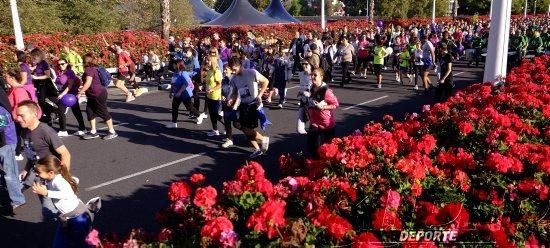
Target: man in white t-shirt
(249,86)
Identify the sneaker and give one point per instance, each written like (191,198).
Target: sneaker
(138,92)
(265,144)
(90,136)
(220,113)
(200,118)
(228,143)
(416,87)
(130,98)
(110,136)
(19,157)
(280,106)
(172,125)
(352,73)
(66,111)
(379,86)
(79,133)
(256,154)
(62,134)
(213,133)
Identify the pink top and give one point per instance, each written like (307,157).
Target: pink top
(324,119)
(17,95)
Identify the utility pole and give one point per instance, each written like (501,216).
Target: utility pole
(165,13)
(19,44)
(371,12)
(525,10)
(323,20)
(497,49)
(433,12)
(535,9)
(491,10)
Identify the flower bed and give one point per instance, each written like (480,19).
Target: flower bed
(476,166)
(138,42)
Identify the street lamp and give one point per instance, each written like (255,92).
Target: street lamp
(16,26)
(433,12)
(323,21)
(525,10)
(497,49)
(535,8)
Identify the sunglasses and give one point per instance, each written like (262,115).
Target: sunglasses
(314,75)
(62,64)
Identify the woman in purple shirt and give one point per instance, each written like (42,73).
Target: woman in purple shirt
(26,74)
(68,83)
(45,89)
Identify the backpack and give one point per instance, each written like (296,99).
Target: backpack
(323,62)
(104,76)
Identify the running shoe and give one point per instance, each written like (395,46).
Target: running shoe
(228,143)
(201,117)
(256,154)
(90,136)
(130,98)
(172,125)
(110,136)
(379,86)
(62,134)
(138,92)
(19,157)
(79,133)
(416,87)
(280,106)
(265,144)
(213,133)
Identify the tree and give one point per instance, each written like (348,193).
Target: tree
(353,7)
(165,12)
(222,5)
(294,7)
(260,5)
(210,3)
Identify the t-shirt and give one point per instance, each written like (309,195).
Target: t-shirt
(445,60)
(75,61)
(212,77)
(405,56)
(124,61)
(63,79)
(363,51)
(44,141)
(182,79)
(25,68)
(347,53)
(379,54)
(427,49)
(96,88)
(246,85)
(41,68)
(7,126)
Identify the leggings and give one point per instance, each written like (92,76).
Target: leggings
(187,103)
(77,112)
(346,77)
(227,121)
(316,137)
(214,107)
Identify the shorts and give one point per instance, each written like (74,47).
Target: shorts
(248,115)
(426,67)
(362,62)
(122,75)
(404,69)
(97,107)
(377,69)
(370,58)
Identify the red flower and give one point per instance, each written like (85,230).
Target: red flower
(390,200)
(205,197)
(366,240)
(165,235)
(465,128)
(386,220)
(197,178)
(269,217)
(416,189)
(455,215)
(337,226)
(252,171)
(328,151)
(179,191)
(503,163)
(215,227)
(426,213)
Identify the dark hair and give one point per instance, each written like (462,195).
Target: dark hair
(313,46)
(21,57)
(52,163)
(234,61)
(90,60)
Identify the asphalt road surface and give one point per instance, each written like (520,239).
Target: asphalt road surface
(132,172)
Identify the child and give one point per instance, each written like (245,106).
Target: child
(379,55)
(279,76)
(76,220)
(404,58)
(303,94)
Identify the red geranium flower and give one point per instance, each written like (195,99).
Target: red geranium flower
(197,178)
(205,197)
(386,220)
(179,191)
(215,227)
(391,199)
(328,151)
(366,240)
(337,226)
(268,218)
(455,215)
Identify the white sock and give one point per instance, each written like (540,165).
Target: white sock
(93,131)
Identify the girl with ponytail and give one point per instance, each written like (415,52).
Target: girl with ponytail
(61,187)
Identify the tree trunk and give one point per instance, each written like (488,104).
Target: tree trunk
(371,11)
(165,14)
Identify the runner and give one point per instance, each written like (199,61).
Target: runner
(250,85)
(124,63)
(379,55)
(68,83)
(213,93)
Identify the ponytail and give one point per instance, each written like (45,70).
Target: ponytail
(52,163)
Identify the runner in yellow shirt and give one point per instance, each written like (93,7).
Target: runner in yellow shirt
(379,55)
(405,58)
(213,93)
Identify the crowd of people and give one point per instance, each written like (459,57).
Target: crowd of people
(237,76)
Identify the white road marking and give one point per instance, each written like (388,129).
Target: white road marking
(373,100)
(293,87)
(144,171)
(456,74)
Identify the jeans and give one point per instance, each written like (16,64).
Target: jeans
(346,76)
(10,172)
(73,232)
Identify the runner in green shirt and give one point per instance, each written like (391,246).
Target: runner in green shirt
(405,58)
(379,55)
(74,60)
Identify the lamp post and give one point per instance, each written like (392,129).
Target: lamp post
(433,12)
(525,10)
(16,26)
(491,10)
(535,8)
(497,49)
(323,21)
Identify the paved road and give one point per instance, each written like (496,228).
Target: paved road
(131,173)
